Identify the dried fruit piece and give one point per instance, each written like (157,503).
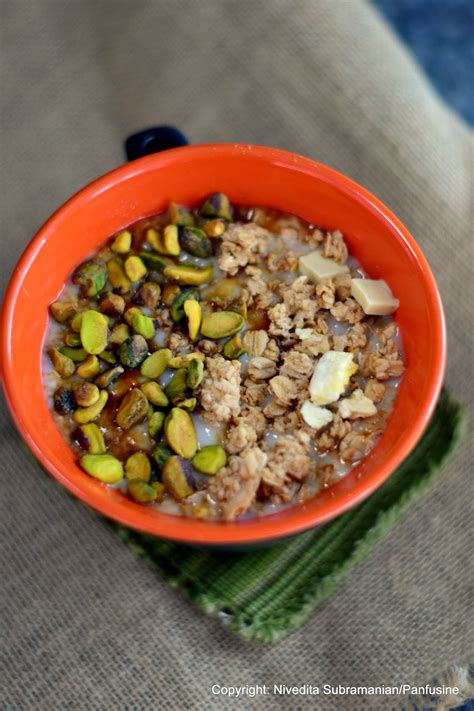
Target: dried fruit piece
(217,205)
(177,386)
(63,364)
(87,414)
(221,324)
(193,311)
(90,438)
(89,368)
(184,360)
(143,325)
(184,274)
(122,242)
(85,394)
(117,276)
(210,459)
(112,304)
(233,348)
(195,242)
(161,454)
(177,478)
(119,334)
(180,433)
(133,351)
(177,307)
(94,332)
(138,466)
(155,424)
(103,467)
(134,267)
(133,409)
(180,215)
(194,374)
(75,354)
(141,492)
(61,311)
(155,365)
(109,376)
(171,241)
(91,277)
(64,402)
(154,394)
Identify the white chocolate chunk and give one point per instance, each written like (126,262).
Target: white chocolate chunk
(357,405)
(315,416)
(316,267)
(331,377)
(374,296)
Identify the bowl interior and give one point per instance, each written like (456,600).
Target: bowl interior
(249,175)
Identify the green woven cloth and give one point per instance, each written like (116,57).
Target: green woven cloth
(264,594)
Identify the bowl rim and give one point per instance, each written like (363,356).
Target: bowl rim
(277,526)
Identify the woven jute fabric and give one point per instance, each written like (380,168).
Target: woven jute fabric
(86,623)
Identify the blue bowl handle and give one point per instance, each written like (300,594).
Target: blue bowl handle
(153,140)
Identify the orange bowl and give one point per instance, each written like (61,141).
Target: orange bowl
(251,175)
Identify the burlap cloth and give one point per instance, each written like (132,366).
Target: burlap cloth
(87,624)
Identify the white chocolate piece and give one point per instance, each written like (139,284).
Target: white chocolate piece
(331,377)
(357,405)
(374,296)
(316,267)
(315,416)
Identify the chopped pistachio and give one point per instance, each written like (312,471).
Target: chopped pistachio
(75,354)
(155,365)
(233,348)
(154,262)
(87,414)
(159,488)
(108,357)
(91,277)
(170,292)
(133,351)
(91,438)
(177,307)
(122,242)
(135,269)
(76,322)
(61,311)
(180,215)
(103,467)
(177,386)
(154,394)
(63,364)
(177,478)
(138,466)
(155,240)
(109,376)
(221,324)
(184,274)
(210,459)
(85,394)
(119,334)
(155,424)
(189,404)
(161,454)
(143,325)
(149,294)
(141,492)
(132,410)
(72,339)
(193,311)
(180,433)
(195,242)
(94,332)
(217,205)
(214,228)
(184,360)
(117,275)
(170,240)
(89,367)
(112,304)
(194,374)
(130,313)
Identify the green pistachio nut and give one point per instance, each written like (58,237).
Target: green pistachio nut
(195,242)
(143,325)
(117,275)
(184,360)
(193,311)
(221,324)
(88,414)
(180,433)
(64,402)
(91,278)
(89,367)
(233,348)
(75,354)
(62,311)
(119,334)
(91,438)
(112,304)
(94,332)
(122,242)
(194,374)
(161,454)
(171,241)
(210,459)
(132,410)
(141,492)
(177,387)
(103,467)
(138,466)
(154,394)
(85,394)
(149,295)
(180,215)
(185,274)
(108,377)
(133,351)
(154,262)
(135,268)
(63,364)
(155,424)
(177,478)
(217,205)
(177,307)
(155,364)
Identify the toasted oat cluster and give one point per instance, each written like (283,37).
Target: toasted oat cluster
(222,361)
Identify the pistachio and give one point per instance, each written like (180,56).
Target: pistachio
(119,334)
(155,424)
(64,402)
(122,242)
(149,411)
(154,394)
(217,205)
(184,274)
(94,332)
(87,414)
(76,322)
(130,313)
(161,454)
(138,466)
(170,292)
(141,492)
(184,360)
(90,438)
(85,394)
(89,367)
(108,357)
(112,304)
(154,262)
(143,325)
(177,307)
(159,488)
(177,478)
(180,215)
(177,386)
(210,459)
(194,374)
(149,295)
(240,307)
(180,433)
(135,269)
(221,324)
(117,276)
(132,410)
(155,365)
(195,242)
(133,351)
(103,467)
(61,362)
(189,404)
(170,240)
(214,228)
(109,376)
(233,348)
(75,354)
(72,339)
(61,311)
(193,311)
(90,277)
(155,240)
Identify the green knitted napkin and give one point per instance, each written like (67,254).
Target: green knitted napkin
(263,594)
